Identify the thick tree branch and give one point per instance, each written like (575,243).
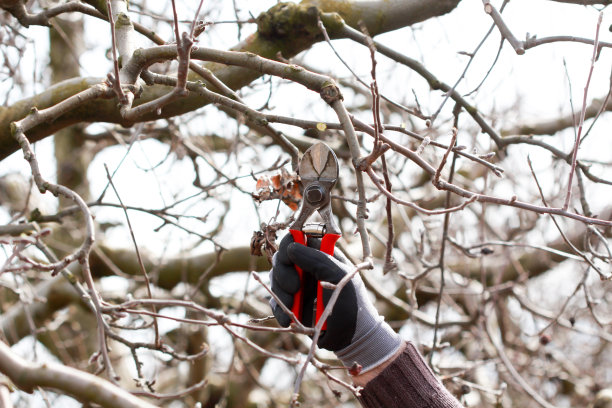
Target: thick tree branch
(383,16)
(57,293)
(552,126)
(287,29)
(18,9)
(172,272)
(534,261)
(79,384)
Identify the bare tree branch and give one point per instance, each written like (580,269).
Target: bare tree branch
(79,384)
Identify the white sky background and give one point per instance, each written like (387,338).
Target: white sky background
(522,89)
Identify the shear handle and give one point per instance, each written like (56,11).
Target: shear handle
(328,244)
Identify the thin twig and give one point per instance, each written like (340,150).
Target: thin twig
(318,327)
(351,138)
(513,372)
(143,270)
(177,36)
(441,262)
(503,28)
(115,82)
(567,241)
(431,79)
(582,114)
(415,112)
(436,178)
(295,321)
(390,263)
(195,19)
(174,395)
(375,179)
(82,254)
(472,56)
(563,307)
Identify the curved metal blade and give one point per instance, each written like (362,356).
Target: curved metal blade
(319,162)
(318,171)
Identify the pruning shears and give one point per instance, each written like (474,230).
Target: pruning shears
(318,171)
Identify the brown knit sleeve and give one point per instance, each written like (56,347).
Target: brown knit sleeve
(407,383)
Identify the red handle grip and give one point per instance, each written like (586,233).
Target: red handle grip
(328,244)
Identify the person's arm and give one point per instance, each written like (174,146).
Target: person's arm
(403,381)
(362,379)
(392,372)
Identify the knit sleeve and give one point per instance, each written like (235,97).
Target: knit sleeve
(407,382)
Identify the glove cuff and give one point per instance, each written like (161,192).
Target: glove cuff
(373,348)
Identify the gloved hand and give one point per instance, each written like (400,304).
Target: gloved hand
(355,330)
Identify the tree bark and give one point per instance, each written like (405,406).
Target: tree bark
(66,45)
(286,28)
(79,384)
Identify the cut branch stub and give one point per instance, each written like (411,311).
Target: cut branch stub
(330,93)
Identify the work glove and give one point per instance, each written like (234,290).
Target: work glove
(355,332)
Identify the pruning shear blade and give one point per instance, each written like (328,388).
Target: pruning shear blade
(318,172)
